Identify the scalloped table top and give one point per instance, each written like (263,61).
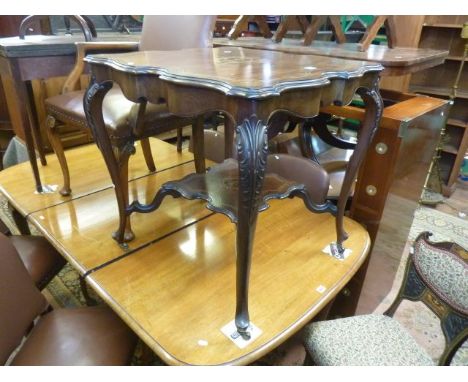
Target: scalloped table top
(237,71)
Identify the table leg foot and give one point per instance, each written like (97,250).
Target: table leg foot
(65,191)
(128,235)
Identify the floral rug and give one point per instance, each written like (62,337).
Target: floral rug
(64,291)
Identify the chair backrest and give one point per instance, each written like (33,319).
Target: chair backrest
(177,32)
(20,301)
(437,275)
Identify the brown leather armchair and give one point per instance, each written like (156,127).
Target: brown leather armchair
(80,336)
(121,116)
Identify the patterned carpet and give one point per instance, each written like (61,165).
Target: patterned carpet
(64,291)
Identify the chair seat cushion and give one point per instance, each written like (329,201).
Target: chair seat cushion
(369,340)
(41,260)
(334,160)
(118,112)
(78,337)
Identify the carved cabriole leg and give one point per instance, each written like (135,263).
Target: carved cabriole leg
(93,109)
(56,143)
(252,150)
(199,144)
(374,107)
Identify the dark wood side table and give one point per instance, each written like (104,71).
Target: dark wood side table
(249,86)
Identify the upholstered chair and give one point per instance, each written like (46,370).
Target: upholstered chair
(290,167)
(121,115)
(437,275)
(80,336)
(332,159)
(41,259)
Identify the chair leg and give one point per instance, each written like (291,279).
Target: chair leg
(146,148)
(340,37)
(371,32)
(180,139)
(57,146)
(147,355)
(198,144)
(308,361)
(20,221)
(116,157)
(313,28)
(84,289)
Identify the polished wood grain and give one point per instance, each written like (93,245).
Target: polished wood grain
(249,87)
(405,109)
(88,173)
(80,228)
(392,59)
(179,292)
(406,33)
(235,71)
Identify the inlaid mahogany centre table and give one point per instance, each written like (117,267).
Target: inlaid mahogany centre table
(249,87)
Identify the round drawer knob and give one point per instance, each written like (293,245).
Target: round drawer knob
(381,148)
(371,190)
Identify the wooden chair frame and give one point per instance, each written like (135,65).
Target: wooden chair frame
(241,24)
(53,121)
(454,322)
